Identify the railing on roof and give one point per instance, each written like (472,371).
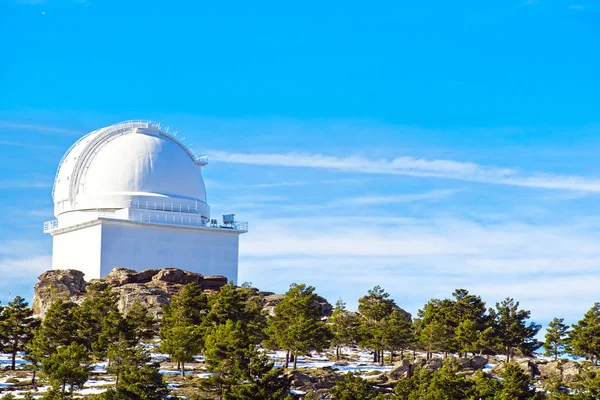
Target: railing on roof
(162,219)
(154,206)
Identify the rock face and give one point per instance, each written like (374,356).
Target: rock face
(153,288)
(562,370)
(270,300)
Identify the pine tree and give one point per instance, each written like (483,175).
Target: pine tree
(375,307)
(67,366)
(584,338)
(180,330)
(238,305)
(99,320)
(17,325)
(440,336)
(516,385)
(556,338)
(353,387)
(124,354)
(182,342)
(58,328)
(140,323)
(238,370)
(512,329)
(188,307)
(345,327)
(296,326)
(396,333)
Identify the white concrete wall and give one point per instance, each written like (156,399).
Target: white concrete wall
(143,246)
(78,249)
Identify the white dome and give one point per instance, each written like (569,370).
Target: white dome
(126,164)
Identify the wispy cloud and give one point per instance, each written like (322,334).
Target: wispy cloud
(394,199)
(26,145)
(419,167)
(25,184)
(542,265)
(38,127)
(576,7)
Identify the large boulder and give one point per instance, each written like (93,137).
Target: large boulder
(270,300)
(402,369)
(58,284)
(528,366)
(561,370)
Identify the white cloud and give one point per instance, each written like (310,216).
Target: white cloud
(409,166)
(394,199)
(550,268)
(25,184)
(38,127)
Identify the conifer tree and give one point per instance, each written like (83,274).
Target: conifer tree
(396,334)
(58,328)
(516,385)
(99,320)
(296,326)
(375,307)
(238,370)
(17,325)
(512,329)
(353,387)
(345,327)
(180,330)
(556,338)
(140,323)
(439,324)
(237,305)
(67,366)
(584,338)
(136,379)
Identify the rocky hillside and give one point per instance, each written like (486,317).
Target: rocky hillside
(153,288)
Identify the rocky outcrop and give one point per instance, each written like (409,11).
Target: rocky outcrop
(58,284)
(153,288)
(270,300)
(564,371)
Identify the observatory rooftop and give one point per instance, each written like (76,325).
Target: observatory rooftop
(130,162)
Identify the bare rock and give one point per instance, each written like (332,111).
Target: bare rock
(528,366)
(402,369)
(433,364)
(564,371)
(472,363)
(271,300)
(153,288)
(58,284)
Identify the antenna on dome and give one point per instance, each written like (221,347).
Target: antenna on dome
(167,129)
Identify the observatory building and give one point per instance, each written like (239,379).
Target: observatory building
(132,195)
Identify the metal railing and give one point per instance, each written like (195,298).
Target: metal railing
(50,225)
(163,219)
(154,206)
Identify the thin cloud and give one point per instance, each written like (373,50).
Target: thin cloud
(38,127)
(25,184)
(401,198)
(25,145)
(418,167)
(419,258)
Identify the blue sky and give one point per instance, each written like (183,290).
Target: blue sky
(419,146)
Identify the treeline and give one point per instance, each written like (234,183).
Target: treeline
(231,331)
